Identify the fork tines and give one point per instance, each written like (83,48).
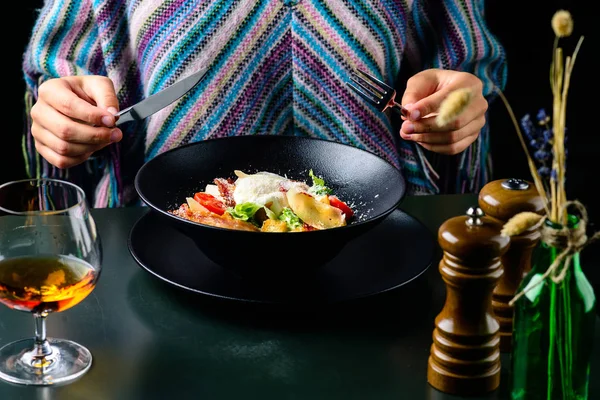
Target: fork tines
(371,89)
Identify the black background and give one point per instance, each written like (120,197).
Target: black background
(524,29)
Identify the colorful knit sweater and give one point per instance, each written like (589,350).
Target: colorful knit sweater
(279,67)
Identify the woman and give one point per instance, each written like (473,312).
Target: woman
(277,67)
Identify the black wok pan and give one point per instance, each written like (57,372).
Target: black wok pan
(374,187)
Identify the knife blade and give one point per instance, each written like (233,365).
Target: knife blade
(160,100)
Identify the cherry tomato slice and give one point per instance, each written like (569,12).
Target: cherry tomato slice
(337,203)
(210,202)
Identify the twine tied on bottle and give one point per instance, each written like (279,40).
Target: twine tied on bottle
(569,241)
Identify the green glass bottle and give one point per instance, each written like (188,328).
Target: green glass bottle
(553,331)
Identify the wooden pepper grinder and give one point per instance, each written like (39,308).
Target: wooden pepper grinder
(465,354)
(502,199)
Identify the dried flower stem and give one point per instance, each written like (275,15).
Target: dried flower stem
(537,180)
(561,74)
(556,107)
(553,192)
(563,117)
(552,73)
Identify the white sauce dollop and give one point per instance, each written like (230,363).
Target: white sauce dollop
(263,188)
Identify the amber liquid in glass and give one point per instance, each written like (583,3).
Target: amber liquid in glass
(45,284)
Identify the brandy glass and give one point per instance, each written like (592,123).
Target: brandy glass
(50,260)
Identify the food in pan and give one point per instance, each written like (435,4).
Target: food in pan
(266,202)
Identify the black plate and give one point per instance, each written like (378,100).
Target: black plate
(393,253)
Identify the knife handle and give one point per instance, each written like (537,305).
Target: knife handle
(124,115)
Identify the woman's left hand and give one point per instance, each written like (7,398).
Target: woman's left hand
(423,96)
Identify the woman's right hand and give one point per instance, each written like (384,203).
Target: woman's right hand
(74,117)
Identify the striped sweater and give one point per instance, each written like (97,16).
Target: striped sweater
(279,67)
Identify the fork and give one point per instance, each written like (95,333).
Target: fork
(375,92)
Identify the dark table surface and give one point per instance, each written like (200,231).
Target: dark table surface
(150,340)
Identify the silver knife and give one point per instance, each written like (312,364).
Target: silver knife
(160,100)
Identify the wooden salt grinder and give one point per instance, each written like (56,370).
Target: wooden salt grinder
(502,199)
(465,354)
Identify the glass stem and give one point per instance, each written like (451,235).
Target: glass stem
(42,348)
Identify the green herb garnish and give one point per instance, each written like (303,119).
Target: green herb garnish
(244,211)
(290,218)
(318,187)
